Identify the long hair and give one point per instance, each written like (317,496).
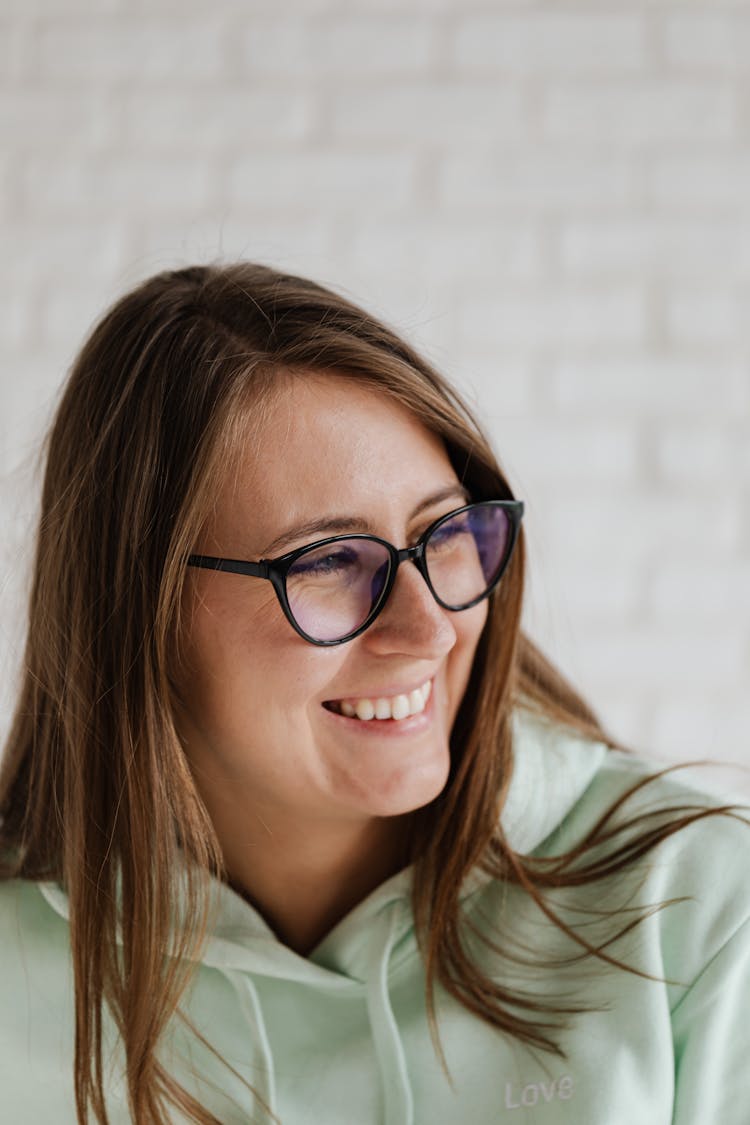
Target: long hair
(95,790)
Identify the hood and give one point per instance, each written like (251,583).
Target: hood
(552,769)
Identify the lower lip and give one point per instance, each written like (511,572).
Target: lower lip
(388,728)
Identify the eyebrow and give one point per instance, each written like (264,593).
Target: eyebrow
(340,525)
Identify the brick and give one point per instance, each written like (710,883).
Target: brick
(208,121)
(408,301)
(240,9)
(40,10)
(108,188)
(707,41)
(743,474)
(7,194)
(19,502)
(703,317)
(716,593)
(15,48)
(624,719)
(497,388)
(300,245)
(596,528)
(650,386)
(14,557)
(593,597)
(650,113)
(547,42)
(358,48)
(567,317)
(31,119)
(656,660)
(15,319)
(635,246)
(427,6)
(426,326)
(321,180)
(536,180)
(66,316)
(430,113)
(696,181)
(143,50)
(306,8)
(38,374)
(562,452)
(701,456)
(449,254)
(93,250)
(715,727)
(28,401)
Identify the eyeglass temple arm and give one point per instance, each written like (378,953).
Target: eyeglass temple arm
(232,566)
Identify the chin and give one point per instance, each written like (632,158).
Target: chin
(409,794)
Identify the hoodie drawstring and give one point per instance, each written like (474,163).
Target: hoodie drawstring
(397,1092)
(247,994)
(398,1098)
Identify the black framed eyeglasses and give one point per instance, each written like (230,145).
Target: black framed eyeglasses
(333,589)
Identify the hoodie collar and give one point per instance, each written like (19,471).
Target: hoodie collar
(552,768)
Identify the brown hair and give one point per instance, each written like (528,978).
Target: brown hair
(95,791)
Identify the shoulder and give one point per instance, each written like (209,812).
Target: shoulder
(672,841)
(685,855)
(37,1009)
(29,909)
(645,787)
(640,797)
(564,784)
(35,965)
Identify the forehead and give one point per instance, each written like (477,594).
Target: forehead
(327,444)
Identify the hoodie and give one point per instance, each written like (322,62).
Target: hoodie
(341,1037)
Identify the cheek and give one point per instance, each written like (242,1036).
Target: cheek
(248,671)
(229,623)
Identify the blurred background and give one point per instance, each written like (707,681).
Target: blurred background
(551,199)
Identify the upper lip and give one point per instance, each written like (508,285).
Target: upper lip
(382,693)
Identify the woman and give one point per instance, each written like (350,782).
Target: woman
(325,839)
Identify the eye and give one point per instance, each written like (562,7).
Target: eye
(447,532)
(325,561)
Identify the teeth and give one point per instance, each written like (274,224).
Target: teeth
(382,709)
(400,707)
(396,707)
(365,709)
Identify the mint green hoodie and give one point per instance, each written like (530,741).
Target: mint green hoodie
(341,1037)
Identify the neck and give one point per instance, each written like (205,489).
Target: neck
(305,877)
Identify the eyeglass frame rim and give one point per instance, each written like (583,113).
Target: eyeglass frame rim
(275,570)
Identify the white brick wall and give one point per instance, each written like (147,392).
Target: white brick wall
(552,39)
(341,49)
(552,197)
(647,113)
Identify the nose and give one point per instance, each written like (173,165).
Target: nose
(412,622)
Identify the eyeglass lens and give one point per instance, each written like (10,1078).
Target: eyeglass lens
(332,589)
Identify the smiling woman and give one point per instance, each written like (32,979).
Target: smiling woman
(297,824)
(248,685)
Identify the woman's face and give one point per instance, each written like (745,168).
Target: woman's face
(261,707)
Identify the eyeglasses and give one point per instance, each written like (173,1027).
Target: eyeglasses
(332,590)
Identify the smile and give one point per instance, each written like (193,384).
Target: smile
(384,707)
